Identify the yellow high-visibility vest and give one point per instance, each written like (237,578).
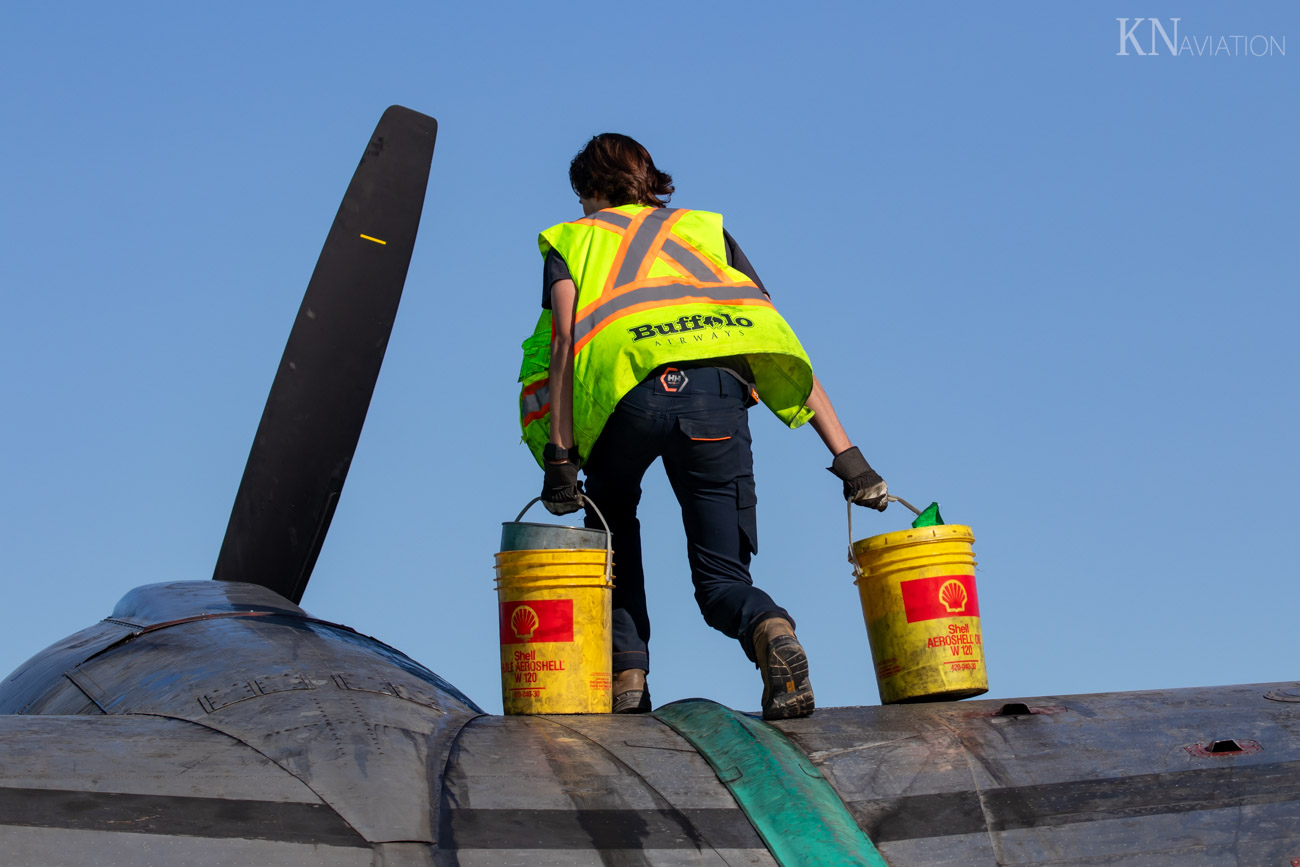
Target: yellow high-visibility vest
(654,287)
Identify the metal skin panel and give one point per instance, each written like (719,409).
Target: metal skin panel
(352,722)
(71,848)
(140,755)
(364,727)
(38,685)
(579,790)
(155,604)
(32,681)
(659,755)
(149,790)
(1108,778)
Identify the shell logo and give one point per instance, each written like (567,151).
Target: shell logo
(953,596)
(524,622)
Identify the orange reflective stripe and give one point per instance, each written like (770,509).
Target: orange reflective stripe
(607,225)
(594,222)
(708,263)
(535,401)
(609,290)
(629,234)
(656,244)
(617,218)
(679,280)
(687,265)
(681,269)
(640,246)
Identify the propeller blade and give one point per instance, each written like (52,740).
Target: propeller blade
(322,389)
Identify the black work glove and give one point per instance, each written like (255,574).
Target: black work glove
(561,489)
(862,484)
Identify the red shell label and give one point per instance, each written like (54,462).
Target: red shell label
(940,596)
(536,621)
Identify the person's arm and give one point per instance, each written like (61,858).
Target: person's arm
(564,295)
(561,490)
(862,484)
(825,421)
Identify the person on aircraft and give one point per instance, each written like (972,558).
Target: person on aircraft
(656,337)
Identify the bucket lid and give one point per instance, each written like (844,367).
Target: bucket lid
(525,536)
(915,536)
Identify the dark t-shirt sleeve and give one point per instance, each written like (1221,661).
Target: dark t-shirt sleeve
(736,258)
(555,268)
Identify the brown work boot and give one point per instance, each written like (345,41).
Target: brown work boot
(631,695)
(787,692)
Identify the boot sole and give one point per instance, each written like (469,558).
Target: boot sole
(632,701)
(787,692)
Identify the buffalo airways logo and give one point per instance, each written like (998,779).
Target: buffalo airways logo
(687,324)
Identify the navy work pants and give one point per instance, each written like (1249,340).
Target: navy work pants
(696,420)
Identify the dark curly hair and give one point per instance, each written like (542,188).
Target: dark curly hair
(619,169)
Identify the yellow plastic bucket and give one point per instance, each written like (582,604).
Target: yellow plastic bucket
(917,588)
(554,617)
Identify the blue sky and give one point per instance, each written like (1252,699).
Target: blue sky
(1049,286)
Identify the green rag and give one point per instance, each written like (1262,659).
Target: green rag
(929,517)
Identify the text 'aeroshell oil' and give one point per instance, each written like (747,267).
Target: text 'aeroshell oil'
(554,608)
(922,613)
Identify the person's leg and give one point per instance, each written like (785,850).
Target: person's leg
(626,448)
(711,468)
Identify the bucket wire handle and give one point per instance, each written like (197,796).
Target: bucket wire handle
(854,560)
(891,498)
(609,537)
(857,573)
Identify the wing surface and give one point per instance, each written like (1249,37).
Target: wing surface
(149,790)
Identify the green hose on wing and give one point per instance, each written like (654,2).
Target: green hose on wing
(793,807)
